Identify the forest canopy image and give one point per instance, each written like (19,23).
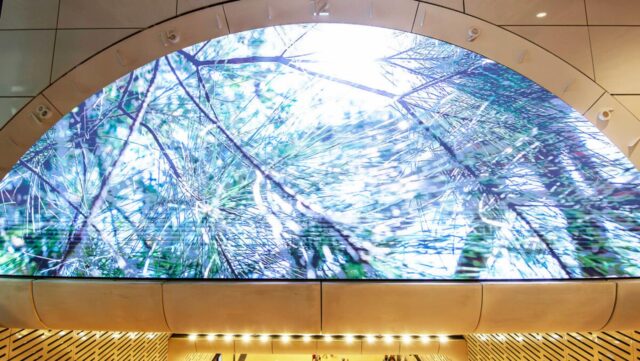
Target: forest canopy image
(322,151)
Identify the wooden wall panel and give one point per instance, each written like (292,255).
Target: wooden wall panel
(31,345)
(4,344)
(577,346)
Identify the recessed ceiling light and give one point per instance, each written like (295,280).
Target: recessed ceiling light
(371,338)
(541,15)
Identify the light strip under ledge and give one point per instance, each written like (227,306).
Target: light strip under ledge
(347,338)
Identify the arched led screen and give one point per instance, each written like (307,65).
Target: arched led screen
(322,151)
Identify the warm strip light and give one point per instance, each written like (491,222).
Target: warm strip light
(541,15)
(286,338)
(371,338)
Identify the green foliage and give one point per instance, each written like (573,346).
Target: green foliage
(322,151)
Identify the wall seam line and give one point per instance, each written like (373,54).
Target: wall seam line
(321,306)
(593,64)
(415,17)
(226,19)
(164,313)
(481,306)
(53,105)
(55,40)
(613,309)
(33,304)
(595,102)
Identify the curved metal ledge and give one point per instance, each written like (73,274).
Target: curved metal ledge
(314,307)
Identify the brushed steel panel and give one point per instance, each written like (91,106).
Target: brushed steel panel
(399,308)
(242,307)
(100,305)
(546,307)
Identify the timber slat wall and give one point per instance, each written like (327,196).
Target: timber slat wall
(55,345)
(586,346)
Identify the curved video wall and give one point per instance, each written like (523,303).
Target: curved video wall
(322,151)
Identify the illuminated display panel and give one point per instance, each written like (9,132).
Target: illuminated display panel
(318,152)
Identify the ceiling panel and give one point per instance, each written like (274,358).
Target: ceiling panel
(613,12)
(30,14)
(9,107)
(616,57)
(631,102)
(26,61)
(75,46)
(114,13)
(451,4)
(519,12)
(189,5)
(570,43)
